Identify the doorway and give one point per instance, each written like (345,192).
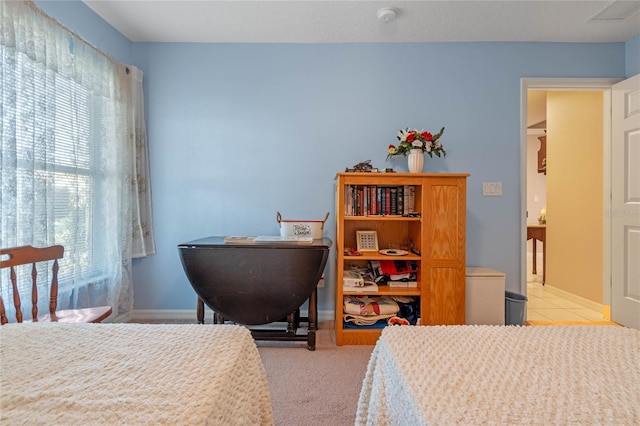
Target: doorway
(533,201)
(574,189)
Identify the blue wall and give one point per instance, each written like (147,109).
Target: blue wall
(238,132)
(632,56)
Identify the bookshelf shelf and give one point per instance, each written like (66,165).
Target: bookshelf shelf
(386,291)
(378,256)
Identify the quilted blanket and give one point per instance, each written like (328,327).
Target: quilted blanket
(580,375)
(133,374)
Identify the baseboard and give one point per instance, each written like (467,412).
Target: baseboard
(571,323)
(182,315)
(606,311)
(186,315)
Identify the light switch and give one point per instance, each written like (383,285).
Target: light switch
(492,189)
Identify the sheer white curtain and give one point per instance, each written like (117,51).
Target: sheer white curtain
(142,220)
(70,135)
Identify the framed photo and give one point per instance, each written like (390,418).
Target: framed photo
(367,240)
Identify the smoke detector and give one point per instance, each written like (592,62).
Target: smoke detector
(386,15)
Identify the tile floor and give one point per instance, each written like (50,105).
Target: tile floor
(545,303)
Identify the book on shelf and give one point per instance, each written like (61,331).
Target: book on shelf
(407,284)
(387,201)
(409,199)
(239,240)
(366,287)
(352,279)
(393,201)
(374,200)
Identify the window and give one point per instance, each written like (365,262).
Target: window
(71,138)
(58,161)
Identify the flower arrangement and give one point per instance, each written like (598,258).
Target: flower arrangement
(422,140)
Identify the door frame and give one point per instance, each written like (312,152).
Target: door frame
(566,84)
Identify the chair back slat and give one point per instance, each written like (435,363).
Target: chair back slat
(16,294)
(53,297)
(34,292)
(3,315)
(25,255)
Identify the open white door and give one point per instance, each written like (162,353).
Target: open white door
(625,203)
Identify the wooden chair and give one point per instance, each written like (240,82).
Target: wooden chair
(26,255)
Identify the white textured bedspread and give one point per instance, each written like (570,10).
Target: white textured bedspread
(131,374)
(472,375)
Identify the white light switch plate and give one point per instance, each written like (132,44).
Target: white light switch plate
(492,189)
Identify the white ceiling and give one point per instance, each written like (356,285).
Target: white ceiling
(335,21)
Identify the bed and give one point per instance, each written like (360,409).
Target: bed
(502,375)
(135,374)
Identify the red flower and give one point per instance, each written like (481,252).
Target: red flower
(411,137)
(427,136)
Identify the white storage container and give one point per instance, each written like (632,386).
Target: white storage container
(485,290)
(301,228)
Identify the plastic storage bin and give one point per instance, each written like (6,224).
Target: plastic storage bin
(514,308)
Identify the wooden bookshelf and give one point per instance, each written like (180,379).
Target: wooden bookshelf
(438,234)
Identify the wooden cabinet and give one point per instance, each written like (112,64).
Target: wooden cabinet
(437,233)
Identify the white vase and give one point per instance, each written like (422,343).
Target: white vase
(416,161)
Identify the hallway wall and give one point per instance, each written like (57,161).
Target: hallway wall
(575,193)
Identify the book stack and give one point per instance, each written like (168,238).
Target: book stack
(267,239)
(395,273)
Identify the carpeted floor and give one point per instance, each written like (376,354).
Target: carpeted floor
(314,388)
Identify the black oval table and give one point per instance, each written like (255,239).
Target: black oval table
(256,283)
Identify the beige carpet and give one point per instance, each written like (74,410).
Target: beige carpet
(314,388)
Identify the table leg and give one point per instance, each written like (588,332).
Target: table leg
(200,311)
(313,320)
(291,323)
(535,255)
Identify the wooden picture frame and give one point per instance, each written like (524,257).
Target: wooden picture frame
(367,240)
